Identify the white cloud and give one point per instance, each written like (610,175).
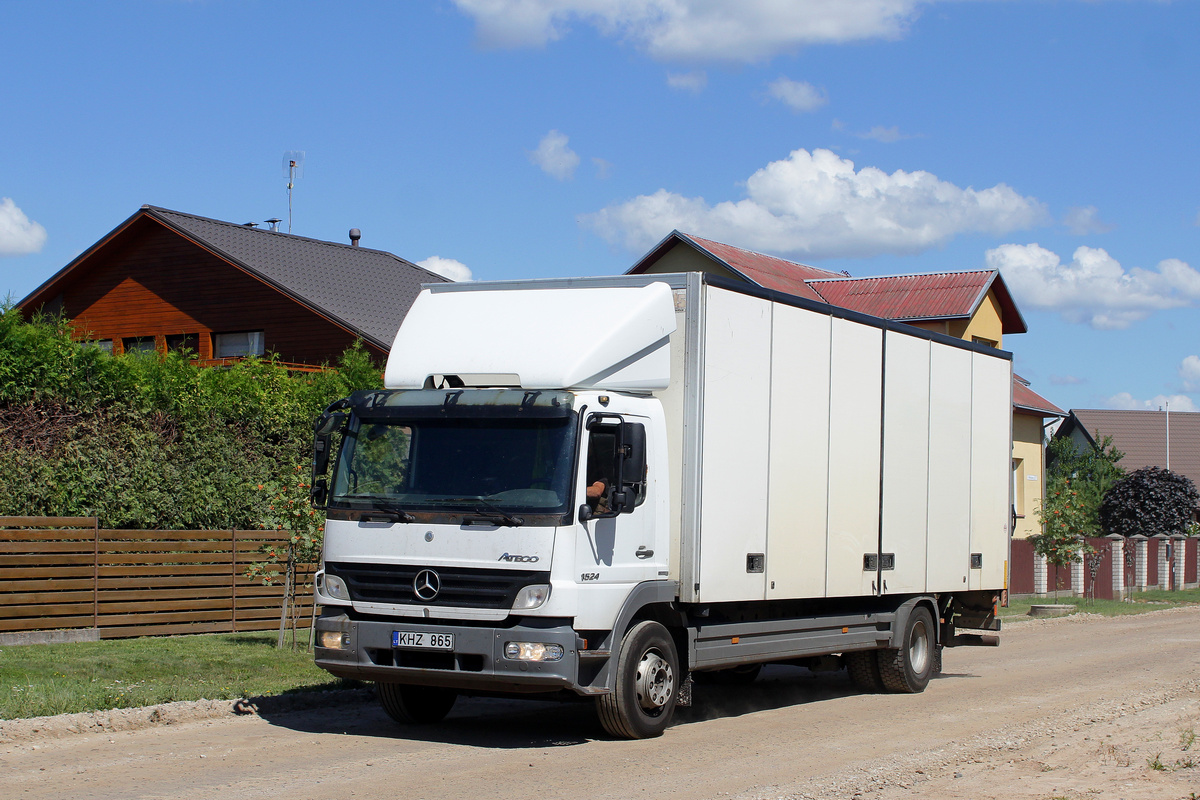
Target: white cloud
(1066,380)
(1189,371)
(554,156)
(19,235)
(748,30)
(1094,287)
(603,168)
(797,95)
(882,134)
(1085,220)
(447,267)
(694,81)
(816,205)
(1127,402)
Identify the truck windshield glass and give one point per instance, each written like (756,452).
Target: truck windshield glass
(457,465)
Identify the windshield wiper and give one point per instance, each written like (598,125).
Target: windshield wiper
(388,509)
(489,512)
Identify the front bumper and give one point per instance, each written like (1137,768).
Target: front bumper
(477,662)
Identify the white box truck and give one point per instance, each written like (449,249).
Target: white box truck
(603,487)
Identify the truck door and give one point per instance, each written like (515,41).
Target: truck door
(618,535)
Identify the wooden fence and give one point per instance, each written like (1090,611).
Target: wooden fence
(59,573)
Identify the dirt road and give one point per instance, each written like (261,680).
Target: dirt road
(1074,708)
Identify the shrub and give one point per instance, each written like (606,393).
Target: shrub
(143,441)
(1149,501)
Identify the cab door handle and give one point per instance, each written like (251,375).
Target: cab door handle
(642,552)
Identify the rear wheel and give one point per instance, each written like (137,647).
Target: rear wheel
(909,667)
(647,684)
(415,705)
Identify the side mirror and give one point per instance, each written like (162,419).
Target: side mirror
(585,512)
(326,426)
(319,493)
(633,443)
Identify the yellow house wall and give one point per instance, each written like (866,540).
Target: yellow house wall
(1028,473)
(985,323)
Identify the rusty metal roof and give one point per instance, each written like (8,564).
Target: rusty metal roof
(1027,401)
(922,297)
(766,271)
(1142,436)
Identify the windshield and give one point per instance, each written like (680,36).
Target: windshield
(479,466)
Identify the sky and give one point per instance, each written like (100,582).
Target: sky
(1054,140)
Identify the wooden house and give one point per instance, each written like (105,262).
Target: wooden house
(164,280)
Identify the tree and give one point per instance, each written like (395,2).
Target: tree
(1149,501)
(1089,473)
(1076,482)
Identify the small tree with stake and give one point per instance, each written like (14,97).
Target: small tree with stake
(289,511)
(1066,524)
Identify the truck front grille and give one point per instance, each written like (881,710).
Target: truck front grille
(457,586)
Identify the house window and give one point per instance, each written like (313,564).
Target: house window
(243,343)
(139,344)
(988,342)
(99,344)
(184,341)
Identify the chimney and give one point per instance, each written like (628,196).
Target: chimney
(355,235)
(274,223)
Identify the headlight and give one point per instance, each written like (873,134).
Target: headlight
(333,586)
(532,596)
(533,651)
(334,640)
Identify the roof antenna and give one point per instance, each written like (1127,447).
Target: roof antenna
(293,168)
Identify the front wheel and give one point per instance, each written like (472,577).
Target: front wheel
(909,667)
(647,685)
(415,705)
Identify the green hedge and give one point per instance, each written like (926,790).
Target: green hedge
(143,441)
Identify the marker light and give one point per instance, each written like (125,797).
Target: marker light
(532,596)
(533,651)
(333,586)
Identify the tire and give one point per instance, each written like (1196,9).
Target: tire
(908,668)
(863,668)
(647,684)
(742,675)
(415,705)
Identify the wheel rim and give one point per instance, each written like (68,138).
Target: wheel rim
(918,648)
(655,681)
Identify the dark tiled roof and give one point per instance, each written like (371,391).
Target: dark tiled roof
(1142,436)
(368,291)
(1027,401)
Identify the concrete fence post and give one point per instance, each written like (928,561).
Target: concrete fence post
(1164,563)
(1178,559)
(1039,574)
(1139,568)
(1116,554)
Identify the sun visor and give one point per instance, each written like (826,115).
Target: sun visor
(582,338)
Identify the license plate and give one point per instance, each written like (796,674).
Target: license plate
(422,640)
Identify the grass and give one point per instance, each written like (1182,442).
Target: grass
(39,680)
(1142,602)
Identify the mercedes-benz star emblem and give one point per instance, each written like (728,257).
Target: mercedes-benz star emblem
(426,585)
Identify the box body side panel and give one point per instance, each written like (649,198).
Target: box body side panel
(797,526)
